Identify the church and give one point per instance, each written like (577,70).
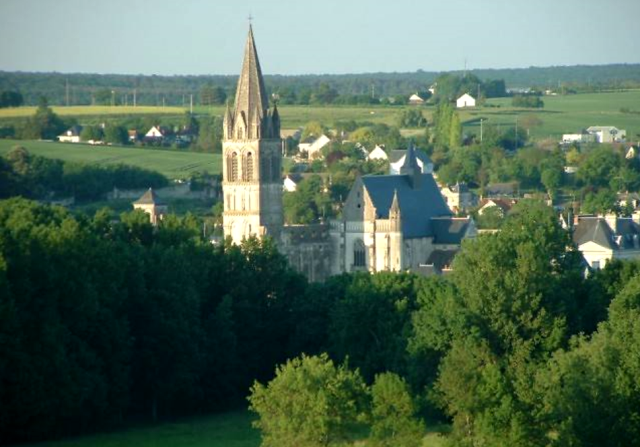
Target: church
(389,222)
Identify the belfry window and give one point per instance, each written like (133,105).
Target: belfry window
(359,254)
(234,167)
(249,167)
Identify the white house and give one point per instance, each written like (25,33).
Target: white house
(378,153)
(458,197)
(397,157)
(415,100)
(290,183)
(602,238)
(72,135)
(569,138)
(503,205)
(312,146)
(465,100)
(607,134)
(156,132)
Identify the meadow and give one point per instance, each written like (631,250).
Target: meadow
(231,429)
(172,164)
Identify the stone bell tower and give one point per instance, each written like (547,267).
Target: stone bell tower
(252,158)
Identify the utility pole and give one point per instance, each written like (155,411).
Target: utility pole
(67,92)
(516,131)
(191,103)
(134,97)
(113,98)
(480,130)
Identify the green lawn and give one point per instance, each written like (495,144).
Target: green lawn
(173,164)
(220,430)
(232,429)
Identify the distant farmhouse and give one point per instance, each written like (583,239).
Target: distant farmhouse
(72,135)
(465,100)
(415,100)
(597,134)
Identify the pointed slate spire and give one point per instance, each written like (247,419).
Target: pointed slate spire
(251,99)
(411,167)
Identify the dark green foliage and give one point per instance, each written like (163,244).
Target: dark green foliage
(10,98)
(104,321)
(114,134)
(39,177)
(529,101)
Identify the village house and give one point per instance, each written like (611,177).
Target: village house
(72,135)
(465,100)
(503,205)
(290,182)
(458,197)
(607,134)
(312,146)
(603,238)
(378,153)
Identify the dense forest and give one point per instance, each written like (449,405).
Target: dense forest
(106,321)
(84,89)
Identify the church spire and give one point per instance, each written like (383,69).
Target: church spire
(251,102)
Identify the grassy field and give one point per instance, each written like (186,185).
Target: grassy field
(172,164)
(221,430)
(564,114)
(561,114)
(79,111)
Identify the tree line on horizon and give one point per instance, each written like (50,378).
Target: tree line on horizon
(154,90)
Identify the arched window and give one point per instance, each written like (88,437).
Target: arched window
(234,167)
(249,167)
(359,254)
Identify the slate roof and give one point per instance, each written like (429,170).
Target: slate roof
(149,198)
(597,230)
(417,205)
(441,259)
(449,231)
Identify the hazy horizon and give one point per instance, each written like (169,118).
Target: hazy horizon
(296,38)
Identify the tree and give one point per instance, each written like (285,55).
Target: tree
(516,300)
(44,124)
(114,134)
(551,178)
(312,129)
(528,101)
(310,402)
(411,118)
(10,98)
(591,391)
(393,421)
(91,133)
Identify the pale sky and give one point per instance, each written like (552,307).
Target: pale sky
(323,36)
